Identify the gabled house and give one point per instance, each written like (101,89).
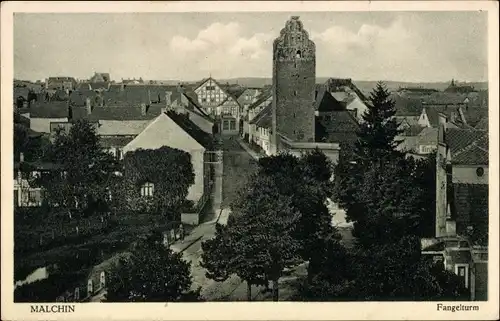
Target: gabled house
(346,92)
(221,103)
(177,131)
(262,125)
(248,97)
(429,116)
(249,128)
(462,215)
(62,83)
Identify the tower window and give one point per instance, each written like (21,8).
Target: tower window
(295,93)
(299,54)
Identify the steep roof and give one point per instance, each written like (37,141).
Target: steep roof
(117,113)
(467,146)
(434,111)
(121,127)
(325,102)
(482,124)
(428,136)
(263,118)
(262,98)
(337,127)
(406,106)
(53,109)
(108,142)
(413,130)
(444,98)
(203,138)
(473,115)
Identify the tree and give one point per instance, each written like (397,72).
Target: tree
(153,273)
(390,272)
(84,169)
(379,128)
(169,170)
(258,242)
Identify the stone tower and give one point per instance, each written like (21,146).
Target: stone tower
(294,79)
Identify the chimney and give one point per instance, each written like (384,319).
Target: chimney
(168,98)
(88,104)
(443,120)
(143,109)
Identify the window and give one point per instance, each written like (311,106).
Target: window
(225,125)
(462,270)
(299,54)
(295,93)
(210,87)
(203,100)
(34,196)
(234,111)
(232,125)
(147,190)
(225,110)
(480,171)
(118,154)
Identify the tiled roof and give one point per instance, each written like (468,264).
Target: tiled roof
(117,113)
(203,138)
(410,120)
(53,109)
(263,117)
(469,206)
(434,111)
(337,84)
(428,136)
(262,98)
(121,127)
(473,155)
(108,142)
(443,98)
(459,138)
(337,127)
(474,114)
(407,106)
(325,102)
(482,124)
(413,130)
(21,91)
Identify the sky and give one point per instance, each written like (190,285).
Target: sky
(398,46)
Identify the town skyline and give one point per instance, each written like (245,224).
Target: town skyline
(224,45)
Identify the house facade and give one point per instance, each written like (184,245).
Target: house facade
(462,212)
(169,129)
(220,105)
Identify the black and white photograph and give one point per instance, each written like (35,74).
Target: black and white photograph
(200,156)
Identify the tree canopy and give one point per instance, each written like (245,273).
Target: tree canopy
(153,273)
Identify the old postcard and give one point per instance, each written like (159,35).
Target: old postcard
(250,160)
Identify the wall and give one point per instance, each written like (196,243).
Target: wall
(197,160)
(42,125)
(467,174)
(210,98)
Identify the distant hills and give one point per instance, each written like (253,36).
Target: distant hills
(365,86)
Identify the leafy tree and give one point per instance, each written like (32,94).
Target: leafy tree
(169,170)
(307,181)
(153,273)
(83,170)
(258,242)
(391,272)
